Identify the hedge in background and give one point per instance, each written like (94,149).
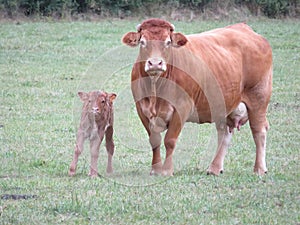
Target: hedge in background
(269,8)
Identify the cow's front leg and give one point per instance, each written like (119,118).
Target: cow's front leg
(168,168)
(94,147)
(224,138)
(171,137)
(78,150)
(155,141)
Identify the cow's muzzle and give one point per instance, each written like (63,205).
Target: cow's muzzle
(155,66)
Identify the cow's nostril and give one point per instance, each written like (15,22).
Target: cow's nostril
(154,65)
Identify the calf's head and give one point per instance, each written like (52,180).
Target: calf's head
(96,102)
(156,38)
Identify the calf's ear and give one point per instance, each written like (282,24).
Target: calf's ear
(112,97)
(83,95)
(131,39)
(178,39)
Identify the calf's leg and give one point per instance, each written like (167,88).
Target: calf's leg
(110,148)
(78,150)
(94,148)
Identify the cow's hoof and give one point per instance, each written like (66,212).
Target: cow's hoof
(154,173)
(168,173)
(212,173)
(167,169)
(156,169)
(260,171)
(213,170)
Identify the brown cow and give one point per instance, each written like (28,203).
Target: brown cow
(201,78)
(96,121)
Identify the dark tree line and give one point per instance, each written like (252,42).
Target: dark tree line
(269,8)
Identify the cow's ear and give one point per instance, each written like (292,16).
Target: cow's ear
(83,96)
(178,39)
(112,97)
(131,39)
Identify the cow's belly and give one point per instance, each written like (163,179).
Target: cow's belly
(200,117)
(203,114)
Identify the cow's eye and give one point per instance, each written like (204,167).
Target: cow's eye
(143,43)
(168,43)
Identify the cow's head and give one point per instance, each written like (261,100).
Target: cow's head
(96,102)
(156,38)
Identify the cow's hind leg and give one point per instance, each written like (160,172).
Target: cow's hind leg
(257,103)
(259,126)
(78,150)
(224,138)
(110,148)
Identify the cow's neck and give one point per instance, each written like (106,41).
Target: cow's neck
(152,98)
(156,83)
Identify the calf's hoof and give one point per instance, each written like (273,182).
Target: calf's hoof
(110,171)
(93,174)
(72,172)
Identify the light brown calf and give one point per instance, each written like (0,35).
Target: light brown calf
(96,121)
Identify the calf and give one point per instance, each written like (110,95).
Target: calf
(96,121)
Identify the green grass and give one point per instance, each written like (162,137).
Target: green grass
(43,65)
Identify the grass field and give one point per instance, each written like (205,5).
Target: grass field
(44,64)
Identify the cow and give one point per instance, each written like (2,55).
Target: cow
(222,76)
(97,119)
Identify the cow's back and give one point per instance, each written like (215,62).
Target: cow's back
(237,58)
(231,47)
